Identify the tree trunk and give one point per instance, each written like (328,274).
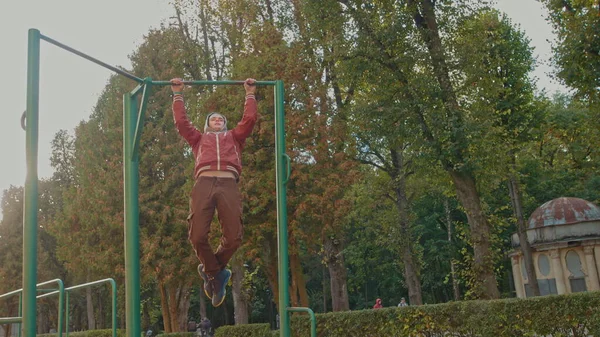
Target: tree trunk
(90,309)
(145,316)
(411,270)
(411,275)
(425,19)
(202,304)
(271,268)
(164,305)
(324,282)
(515,197)
(240,298)
(179,303)
(483,260)
(42,320)
(100,322)
(337,273)
(183,307)
(298,280)
(455,287)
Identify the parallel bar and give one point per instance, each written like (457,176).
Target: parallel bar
(30,209)
(215,82)
(113,285)
(48,294)
(14,292)
(282,236)
(313,319)
(8,320)
(93,283)
(89,58)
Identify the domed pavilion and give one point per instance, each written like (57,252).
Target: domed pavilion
(564,235)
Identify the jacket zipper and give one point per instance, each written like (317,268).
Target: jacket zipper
(237,155)
(218,153)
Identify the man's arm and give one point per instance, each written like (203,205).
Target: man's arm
(182,122)
(245,126)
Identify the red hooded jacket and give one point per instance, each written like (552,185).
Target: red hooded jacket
(216,151)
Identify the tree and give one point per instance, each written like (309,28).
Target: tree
(11,252)
(577,28)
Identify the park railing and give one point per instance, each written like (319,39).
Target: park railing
(63,303)
(60,291)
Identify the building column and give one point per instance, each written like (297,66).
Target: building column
(517,277)
(592,271)
(597,255)
(557,270)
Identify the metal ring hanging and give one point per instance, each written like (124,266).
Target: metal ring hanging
(23,118)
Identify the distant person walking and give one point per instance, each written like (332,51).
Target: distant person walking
(402,303)
(378,304)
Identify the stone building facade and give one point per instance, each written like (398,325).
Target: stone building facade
(564,234)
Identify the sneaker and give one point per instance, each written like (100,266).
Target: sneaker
(219,286)
(208,290)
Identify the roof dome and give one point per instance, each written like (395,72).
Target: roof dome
(562,211)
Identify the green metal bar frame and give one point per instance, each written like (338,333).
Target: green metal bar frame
(86,285)
(132,129)
(131,205)
(313,319)
(30,208)
(60,291)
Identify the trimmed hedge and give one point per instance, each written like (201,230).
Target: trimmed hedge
(175,334)
(88,333)
(558,316)
(244,330)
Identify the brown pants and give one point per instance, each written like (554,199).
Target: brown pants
(208,194)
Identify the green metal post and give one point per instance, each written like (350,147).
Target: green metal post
(113,285)
(67,314)
(30,209)
(61,308)
(313,319)
(281,180)
(20,313)
(132,239)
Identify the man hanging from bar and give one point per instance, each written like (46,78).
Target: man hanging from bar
(218,165)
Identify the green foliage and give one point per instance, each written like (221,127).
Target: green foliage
(90,333)
(176,334)
(246,330)
(577,26)
(567,315)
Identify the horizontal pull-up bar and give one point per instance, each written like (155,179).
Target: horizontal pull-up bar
(87,57)
(215,82)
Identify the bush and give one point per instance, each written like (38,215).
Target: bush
(175,334)
(565,315)
(88,333)
(245,330)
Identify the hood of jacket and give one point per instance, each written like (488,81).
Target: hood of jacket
(208,129)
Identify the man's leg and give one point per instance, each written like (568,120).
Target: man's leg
(229,210)
(202,210)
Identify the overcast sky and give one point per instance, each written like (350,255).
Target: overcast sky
(110,30)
